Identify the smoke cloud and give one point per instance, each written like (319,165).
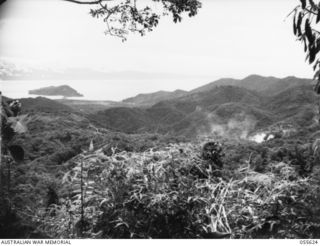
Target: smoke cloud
(238,127)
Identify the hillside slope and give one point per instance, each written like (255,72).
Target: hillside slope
(267,86)
(224,106)
(163,115)
(264,85)
(153,98)
(42,104)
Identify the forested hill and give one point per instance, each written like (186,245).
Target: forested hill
(196,113)
(267,86)
(153,98)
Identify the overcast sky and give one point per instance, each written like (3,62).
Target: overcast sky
(228,38)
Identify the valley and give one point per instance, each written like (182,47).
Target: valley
(201,110)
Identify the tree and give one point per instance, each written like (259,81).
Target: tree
(125,16)
(306,18)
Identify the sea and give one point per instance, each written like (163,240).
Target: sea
(102,90)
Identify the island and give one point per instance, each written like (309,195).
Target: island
(63,90)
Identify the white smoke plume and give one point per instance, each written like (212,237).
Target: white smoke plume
(238,127)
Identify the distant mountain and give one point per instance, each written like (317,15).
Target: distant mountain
(63,90)
(221,94)
(153,98)
(272,85)
(237,109)
(178,115)
(292,101)
(214,84)
(258,83)
(285,84)
(265,85)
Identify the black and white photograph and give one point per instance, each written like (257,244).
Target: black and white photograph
(159,119)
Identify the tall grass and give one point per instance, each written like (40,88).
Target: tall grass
(154,194)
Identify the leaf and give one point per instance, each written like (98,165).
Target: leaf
(91,148)
(66,177)
(122,224)
(97,235)
(311,57)
(308,31)
(312,54)
(318,17)
(205,229)
(312,4)
(305,45)
(76,197)
(88,192)
(294,26)
(272,223)
(251,211)
(300,17)
(103,202)
(17,124)
(20,128)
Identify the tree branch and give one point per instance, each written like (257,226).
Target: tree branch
(310,11)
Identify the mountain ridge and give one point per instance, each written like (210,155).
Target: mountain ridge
(198,112)
(152,98)
(194,112)
(268,86)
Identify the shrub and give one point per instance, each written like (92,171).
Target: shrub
(153,195)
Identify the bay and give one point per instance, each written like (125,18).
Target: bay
(114,90)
